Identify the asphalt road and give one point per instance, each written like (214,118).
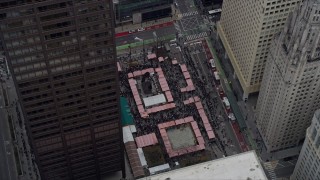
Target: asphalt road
(145,35)
(7,164)
(200,59)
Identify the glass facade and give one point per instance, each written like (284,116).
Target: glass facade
(150,9)
(62,57)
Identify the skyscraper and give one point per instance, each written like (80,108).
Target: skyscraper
(246,29)
(62,58)
(290,90)
(308,165)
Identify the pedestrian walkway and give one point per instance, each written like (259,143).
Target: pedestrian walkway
(196,36)
(177,27)
(188,14)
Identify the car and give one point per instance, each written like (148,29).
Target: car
(132,31)
(141,29)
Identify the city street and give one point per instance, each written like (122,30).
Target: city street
(18,162)
(218,113)
(145,35)
(7,161)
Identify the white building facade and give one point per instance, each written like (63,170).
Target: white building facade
(308,165)
(246,29)
(290,90)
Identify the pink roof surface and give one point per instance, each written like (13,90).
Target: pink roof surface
(201,111)
(191,100)
(174,62)
(211,134)
(130,75)
(188,119)
(151,56)
(189,81)
(119,67)
(194,124)
(160,59)
(146,140)
(199,105)
(183,89)
(168,94)
(150,70)
(158,69)
(196,98)
(197,133)
(162,130)
(183,67)
(207,126)
(144,116)
(172,123)
(200,140)
(186,102)
(205,121)
(170,151)
(186,75)
(137,73)
(201,146)
(165,88)
(179,121)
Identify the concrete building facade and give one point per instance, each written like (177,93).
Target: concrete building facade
(290,90)
(308,164)
(246,29)
(62,58)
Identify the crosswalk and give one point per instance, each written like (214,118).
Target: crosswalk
(196,36)
(188,14)
(270,169)
(177,27)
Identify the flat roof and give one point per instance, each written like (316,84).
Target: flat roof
(154,100)
(244,166)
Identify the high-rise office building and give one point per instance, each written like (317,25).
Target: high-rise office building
(290,90)
(62,54)
(308,164)
(246,29)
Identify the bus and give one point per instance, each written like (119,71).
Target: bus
(215,11)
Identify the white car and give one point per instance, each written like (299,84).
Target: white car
(131,31)
(141,29)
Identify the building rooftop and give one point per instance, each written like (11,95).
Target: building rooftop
(244,166)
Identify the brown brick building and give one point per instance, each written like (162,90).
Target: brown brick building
(62,56)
